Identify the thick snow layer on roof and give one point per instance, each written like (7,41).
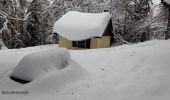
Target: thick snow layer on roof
(167,1)
(80,26)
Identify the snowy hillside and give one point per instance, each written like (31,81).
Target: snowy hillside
(128,72)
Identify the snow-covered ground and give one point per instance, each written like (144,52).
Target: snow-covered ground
(127,72)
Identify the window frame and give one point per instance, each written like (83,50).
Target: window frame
(81,44)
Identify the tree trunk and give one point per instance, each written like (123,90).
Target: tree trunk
(2,45)
(168,27)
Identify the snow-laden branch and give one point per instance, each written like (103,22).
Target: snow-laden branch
(5,27)
(152,21)
(15,18)
(120,38)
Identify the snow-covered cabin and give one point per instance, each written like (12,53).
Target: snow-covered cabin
(79,30)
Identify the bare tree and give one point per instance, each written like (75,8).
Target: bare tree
(12,16)
(20,22)
(35,22)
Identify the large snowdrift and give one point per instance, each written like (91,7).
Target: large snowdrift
(57,80)
(128,72)
(80,26)
(40,63)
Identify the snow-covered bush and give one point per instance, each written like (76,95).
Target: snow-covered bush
(38,64)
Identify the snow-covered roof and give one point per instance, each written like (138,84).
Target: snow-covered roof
(80,26)
(167,1)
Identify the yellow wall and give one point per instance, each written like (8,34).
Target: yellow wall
(102,42)
(65,43)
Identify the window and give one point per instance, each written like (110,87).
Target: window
(81,44)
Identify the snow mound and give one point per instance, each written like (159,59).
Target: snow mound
(38,64)
(167,1)
(56,81)
(80,26)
